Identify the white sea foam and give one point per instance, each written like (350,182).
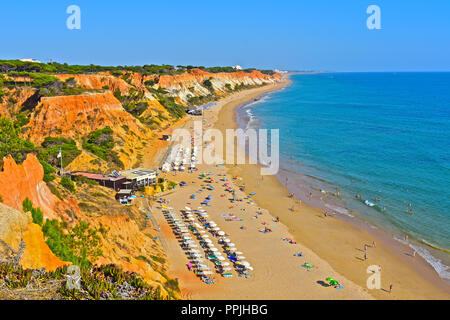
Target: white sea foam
(400,240)
(339,210)
(442,269)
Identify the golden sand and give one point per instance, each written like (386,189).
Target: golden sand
(335,247)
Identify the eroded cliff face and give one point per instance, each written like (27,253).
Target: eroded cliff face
(74,116)
(123,241)
(16,226)
(20,181)
(23,98)
(192,84)
(97,82)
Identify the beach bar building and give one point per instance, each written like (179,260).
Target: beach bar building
(139,177)
(115,181)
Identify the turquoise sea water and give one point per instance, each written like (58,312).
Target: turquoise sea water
(385,136)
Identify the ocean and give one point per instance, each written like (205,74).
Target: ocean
(382,136)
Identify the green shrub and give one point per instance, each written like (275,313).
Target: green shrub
(48,170)
(51,147)
(21,120)
(101,143)
(67,183)
(36,213)
(79,245)
(11,143)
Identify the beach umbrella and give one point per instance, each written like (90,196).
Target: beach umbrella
(250,268)
(329,279)
(231,244)
(214,249)
(225,263)
(239,252)
(208,240)
(221,233)
(334,282)
(241,257)
(232,249)
(188,209)
(216,229)
(213,224)
(205,236)
(246,263)
(227,240)
(221,258)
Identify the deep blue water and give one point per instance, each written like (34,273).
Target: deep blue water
(380,135)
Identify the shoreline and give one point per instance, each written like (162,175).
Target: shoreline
(340,241)
(401,248)
(420,265)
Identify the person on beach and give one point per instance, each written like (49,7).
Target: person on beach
(365,256)
(373,244)
(390,288)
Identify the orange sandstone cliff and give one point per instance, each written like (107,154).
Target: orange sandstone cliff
(20,181)
(191,83)
(72,116)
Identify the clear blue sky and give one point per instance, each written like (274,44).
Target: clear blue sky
(286,34)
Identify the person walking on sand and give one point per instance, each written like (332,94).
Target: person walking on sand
(365,255)
(373,244)
(390,288)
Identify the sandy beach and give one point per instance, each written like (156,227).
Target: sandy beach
(333,246)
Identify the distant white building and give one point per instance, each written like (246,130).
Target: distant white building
(30,60)
(280,71)
(237,67)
